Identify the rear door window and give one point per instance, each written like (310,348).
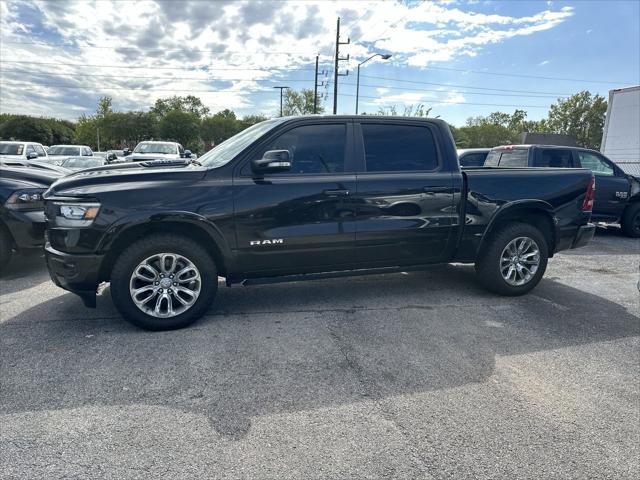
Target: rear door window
(596,164)
(553,157)
(399,148)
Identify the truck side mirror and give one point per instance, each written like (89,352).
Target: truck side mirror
(187,154)
(273,161)
(111,157)
(32,155)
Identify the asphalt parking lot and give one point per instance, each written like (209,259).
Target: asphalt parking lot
(417,375)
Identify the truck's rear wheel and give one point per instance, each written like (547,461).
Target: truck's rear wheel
(631,220)
(163,282)
(514,260)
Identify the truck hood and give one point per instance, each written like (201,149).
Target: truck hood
(30,177)
(126,175)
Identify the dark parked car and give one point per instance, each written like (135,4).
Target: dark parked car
(300,198)
(617,193)
(472,157)
(22,222)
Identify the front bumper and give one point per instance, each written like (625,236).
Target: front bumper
(26,228)
(584,235)
(78,274)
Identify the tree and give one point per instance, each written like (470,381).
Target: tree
(181,127)
(128,128)
(104,107)
(418,110)
(299,103)
(23,127)
(188,104)
(217,128)
(581,116)
(87,132)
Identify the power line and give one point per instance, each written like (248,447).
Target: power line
(150,67)
(119,47)
(73,74)
(460,103)
(522,75)
(244,90)
(418,82)
(90,87)
(457,91)
(121,77)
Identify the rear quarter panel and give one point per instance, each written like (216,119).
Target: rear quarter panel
(492,192)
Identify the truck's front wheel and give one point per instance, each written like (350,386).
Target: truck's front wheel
(514,260)
(163,282)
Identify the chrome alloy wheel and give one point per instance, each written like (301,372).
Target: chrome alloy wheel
(165,285)
(519,261)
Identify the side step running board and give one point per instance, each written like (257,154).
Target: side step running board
(324,275)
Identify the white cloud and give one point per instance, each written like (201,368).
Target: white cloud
(227,53)
(544,62)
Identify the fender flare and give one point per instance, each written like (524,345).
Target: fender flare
(125,224)
(510,207)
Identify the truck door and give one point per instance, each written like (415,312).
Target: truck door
(612,187)
(302,219)
(405,212)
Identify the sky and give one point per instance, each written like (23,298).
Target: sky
(459,58)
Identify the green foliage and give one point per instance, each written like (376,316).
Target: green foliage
(23,127)
(188,104)
(299,103)
(224,124)
(418,110)
(581,116)
(181,127)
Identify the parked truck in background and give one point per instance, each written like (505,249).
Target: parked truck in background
(621,135)
(617,198)
(303,198)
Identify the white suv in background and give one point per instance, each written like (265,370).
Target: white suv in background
(150,150)
(23,151)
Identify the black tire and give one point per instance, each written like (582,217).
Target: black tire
(631,220)
(6,248)
(129,260)
(489,263)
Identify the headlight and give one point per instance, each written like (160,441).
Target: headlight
(24,200)
(75,214)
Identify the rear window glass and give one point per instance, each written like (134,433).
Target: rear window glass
(554,157)
(507,158)
(399,148)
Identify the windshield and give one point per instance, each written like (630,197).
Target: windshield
(11,148)
(227,150)
(57,150)
(81,162)
(169,148)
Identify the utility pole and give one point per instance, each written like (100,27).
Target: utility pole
(315,88)
(98,135)
(336,74)
(281,89)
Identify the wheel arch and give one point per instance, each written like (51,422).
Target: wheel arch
(190,225)
(538,213)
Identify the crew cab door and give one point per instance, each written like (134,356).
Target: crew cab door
(612,187)
(302,219)
(405,212)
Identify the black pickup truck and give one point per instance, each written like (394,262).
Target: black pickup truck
(303,198)
(22,222)
(617,194)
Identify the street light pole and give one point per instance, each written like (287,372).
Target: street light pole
(384,57)
(281,89)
